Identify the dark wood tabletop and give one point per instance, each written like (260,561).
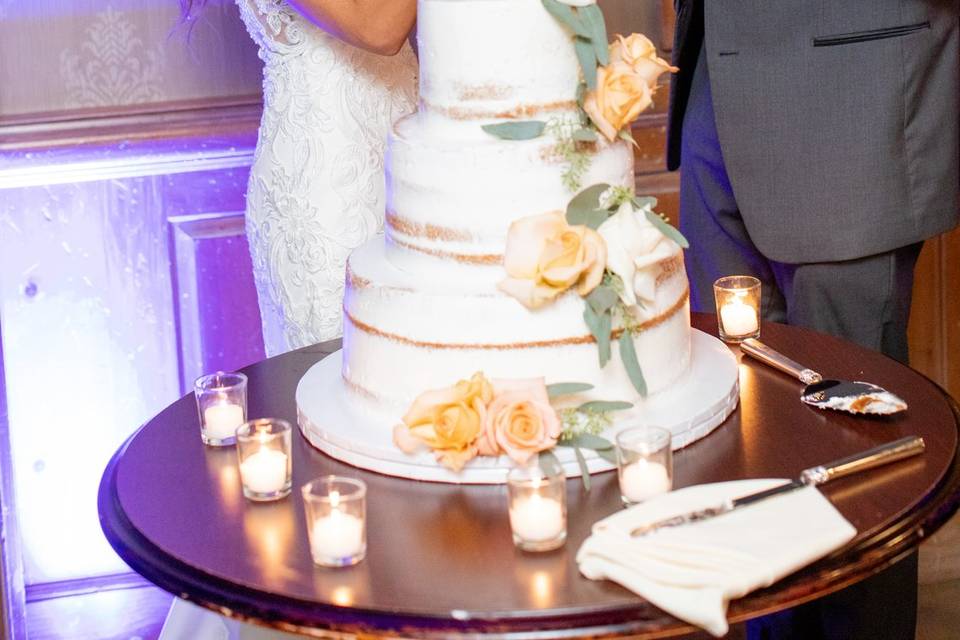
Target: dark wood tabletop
(441,562)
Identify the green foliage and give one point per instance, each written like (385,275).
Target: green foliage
(584,208)
(567,388)
(628,355)
(600,326)
(667,229)
(519,130)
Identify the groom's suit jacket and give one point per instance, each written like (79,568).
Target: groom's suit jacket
(837,119)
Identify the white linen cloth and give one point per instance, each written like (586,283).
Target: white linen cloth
(692,571)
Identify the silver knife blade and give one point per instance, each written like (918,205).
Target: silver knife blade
(814,476)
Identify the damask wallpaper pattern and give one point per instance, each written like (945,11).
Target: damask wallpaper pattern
(62,55)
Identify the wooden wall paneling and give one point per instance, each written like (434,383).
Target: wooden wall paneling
(950,267)
(218,316)
(925,331)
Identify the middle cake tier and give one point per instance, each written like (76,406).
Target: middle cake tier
(405,333)
(450,201)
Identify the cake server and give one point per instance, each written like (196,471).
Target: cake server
(853,397)
(814,476)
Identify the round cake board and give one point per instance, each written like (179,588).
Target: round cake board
(336,424)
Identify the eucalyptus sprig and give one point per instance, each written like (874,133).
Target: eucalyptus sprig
(581,428)
(589,35)
(604,308)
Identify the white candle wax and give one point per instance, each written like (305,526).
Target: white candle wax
(265,471)
(536,519)
(337,535)
(738,319)
(220,421)
(643,479)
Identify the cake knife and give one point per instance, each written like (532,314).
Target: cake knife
(814,476)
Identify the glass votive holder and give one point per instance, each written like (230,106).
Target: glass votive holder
(336,511)
(222,405)
(538,508)
(644,463)
(738,307)
(264,454)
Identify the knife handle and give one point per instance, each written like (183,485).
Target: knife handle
(883,454)
(763,353)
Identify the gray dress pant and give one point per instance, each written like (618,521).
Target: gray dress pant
(866,301)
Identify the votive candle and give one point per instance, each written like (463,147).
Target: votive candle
(264,456)
(737,300)
(537,508)
(336,511)
(222,406)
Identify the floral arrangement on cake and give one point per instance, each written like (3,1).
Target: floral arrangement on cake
(512,417)
(606,247)
(618,83)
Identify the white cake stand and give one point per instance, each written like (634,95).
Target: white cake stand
(693,407)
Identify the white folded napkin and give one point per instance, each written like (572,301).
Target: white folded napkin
(692,571)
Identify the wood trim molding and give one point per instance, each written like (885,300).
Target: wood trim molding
(12,593)
(164,121)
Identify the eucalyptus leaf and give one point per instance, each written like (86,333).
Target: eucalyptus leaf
(585,134)
(593,17)
(584,471)
(566,388)
(628,354)
(566,15)
(667,229)
(548,463)
(627,134)
(584,208)
(610,455)
(639,202)
(587,56)
(519,130)
(587,441)
(600,326)
(605,405)
(602,298)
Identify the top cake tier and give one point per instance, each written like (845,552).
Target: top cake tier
(494,59)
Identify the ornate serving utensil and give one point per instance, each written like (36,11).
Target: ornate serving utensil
(814,476)
(853,397)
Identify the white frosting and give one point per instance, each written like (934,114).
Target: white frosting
(491,58)
(422,309)
(405,333)
(468,193)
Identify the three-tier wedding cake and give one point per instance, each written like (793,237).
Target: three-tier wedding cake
(485,266)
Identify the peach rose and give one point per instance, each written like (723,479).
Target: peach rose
(619,98)
(640,54)
(545,256)
(520,421)
(449,421)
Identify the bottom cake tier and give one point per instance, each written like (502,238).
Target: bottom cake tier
(358,431)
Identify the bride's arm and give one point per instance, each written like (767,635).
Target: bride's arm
(380,26)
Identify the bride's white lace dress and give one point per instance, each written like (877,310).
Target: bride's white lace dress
(316,192)
(316,186)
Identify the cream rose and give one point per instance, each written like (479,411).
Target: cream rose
(449,421)
(640,54)
(545,256)
(634,247)
(520,421)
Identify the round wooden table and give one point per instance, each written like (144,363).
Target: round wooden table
(440,560)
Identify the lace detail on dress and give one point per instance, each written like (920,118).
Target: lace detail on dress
(316,187)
